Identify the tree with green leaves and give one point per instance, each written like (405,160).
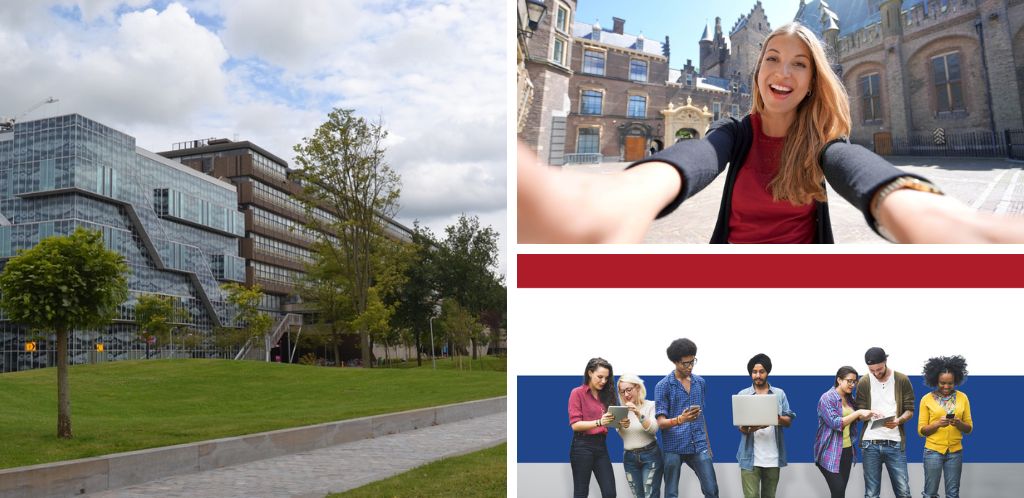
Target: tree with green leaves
(157,315)
(61,284)
(344,173)
(466,261)
(460,327)
(253,323)
(416,299)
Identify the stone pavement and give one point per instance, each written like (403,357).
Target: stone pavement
(329,470)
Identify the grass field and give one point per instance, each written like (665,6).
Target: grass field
(131,405)
(481,475)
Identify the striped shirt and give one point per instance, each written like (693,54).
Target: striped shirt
(671,399)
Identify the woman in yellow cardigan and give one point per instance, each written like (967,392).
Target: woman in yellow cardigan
(945,416)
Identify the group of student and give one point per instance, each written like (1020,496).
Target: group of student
(883,400)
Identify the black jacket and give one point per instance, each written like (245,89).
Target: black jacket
(853,171)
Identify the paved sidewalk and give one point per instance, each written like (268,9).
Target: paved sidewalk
(329,470)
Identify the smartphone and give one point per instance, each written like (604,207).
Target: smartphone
(693,407)
(949,415)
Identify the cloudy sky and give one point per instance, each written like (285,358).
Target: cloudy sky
(269,71)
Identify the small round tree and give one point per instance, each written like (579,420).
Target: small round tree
(64,283)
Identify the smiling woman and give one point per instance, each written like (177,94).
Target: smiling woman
(779,158)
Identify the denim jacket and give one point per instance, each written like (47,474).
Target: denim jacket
(745,454)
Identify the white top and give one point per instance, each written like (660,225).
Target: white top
(883,400)
(635,437)
(766,449)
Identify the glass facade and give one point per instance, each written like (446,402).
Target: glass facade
(178,229)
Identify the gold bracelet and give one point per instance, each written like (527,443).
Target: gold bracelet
(900,183)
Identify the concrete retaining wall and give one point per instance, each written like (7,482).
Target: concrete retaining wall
(89,475)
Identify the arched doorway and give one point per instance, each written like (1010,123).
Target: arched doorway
(633,139)
(686,122)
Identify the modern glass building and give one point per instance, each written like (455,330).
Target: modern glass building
(178,228)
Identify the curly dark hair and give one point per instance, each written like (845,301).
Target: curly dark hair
(607,394)
(680,348)
(939,365)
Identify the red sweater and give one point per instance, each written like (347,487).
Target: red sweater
(756,218)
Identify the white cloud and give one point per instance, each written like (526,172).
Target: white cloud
(101,9)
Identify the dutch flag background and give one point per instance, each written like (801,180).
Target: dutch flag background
(811,313)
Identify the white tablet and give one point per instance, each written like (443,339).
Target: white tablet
(753,409)
(620,412)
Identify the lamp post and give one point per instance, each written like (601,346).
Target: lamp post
(433,357)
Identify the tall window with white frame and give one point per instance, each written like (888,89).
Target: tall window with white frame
(588,141)
(637,107)
(948,84)
(734,110)
(716,108)
(590,102)
(562,19)
(593,62)
(558,49)
(637,70)
(871,98)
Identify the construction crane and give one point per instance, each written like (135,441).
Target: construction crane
(8,124)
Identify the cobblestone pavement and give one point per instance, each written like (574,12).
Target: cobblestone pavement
(990,185)
(329,470)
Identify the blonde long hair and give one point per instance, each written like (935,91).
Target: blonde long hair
(821,117)
(641,392)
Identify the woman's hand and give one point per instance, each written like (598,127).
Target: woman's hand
(865,414)
(624,423)
(921,217)
(607,418)
(632,407)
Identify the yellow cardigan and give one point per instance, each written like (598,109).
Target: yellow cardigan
(946,439)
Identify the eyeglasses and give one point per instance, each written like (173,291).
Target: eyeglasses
(626,390)
(690,363)
(850,381)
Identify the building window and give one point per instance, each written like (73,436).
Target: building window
(588,141)
(590,103)
(593,62)
(734,110)
(637,70)
(689,79)
(948,87)
(637,107)
(716,108)
(562,19)
(871,98)
(558,51)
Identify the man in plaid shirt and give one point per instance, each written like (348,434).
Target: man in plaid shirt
(679,408)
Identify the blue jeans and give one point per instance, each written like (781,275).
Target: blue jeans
(589,455)
(701,465)
(874,454)
(948,466)
(643,472)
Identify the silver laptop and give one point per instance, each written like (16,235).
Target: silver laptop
(753,409)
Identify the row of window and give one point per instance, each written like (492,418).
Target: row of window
(269,194)
(277,274)
(594,63)
(591,104)
(281,249)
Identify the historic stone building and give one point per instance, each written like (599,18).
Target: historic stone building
(912,67)
(547,52)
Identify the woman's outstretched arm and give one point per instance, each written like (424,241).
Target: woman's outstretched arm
(557,206)
(907,215)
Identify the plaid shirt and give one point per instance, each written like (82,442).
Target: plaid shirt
(671,399)
(828,442)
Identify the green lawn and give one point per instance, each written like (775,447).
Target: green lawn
(481,474)
(131,405)
(486,363)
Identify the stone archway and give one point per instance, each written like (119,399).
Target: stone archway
(687,117)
